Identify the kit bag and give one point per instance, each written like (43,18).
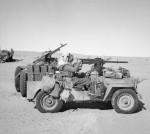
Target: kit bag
(125,72)
(97,88)
(116,73)
(112,74)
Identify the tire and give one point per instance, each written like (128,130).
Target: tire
(17,79)
(23,83)
(47,104)
(124,101)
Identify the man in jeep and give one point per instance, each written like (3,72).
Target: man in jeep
(70,73)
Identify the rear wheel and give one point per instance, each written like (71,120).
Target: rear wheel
(17,78)
(23,83)
(125,101)
(47,104)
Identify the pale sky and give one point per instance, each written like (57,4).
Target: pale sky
(92,27)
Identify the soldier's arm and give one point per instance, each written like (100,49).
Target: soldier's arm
(72,69)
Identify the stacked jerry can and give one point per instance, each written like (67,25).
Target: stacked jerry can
(34,76)
(36,72)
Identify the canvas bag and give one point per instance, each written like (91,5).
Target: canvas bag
(112,74)
(47,83)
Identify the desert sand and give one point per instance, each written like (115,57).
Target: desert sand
(18,116)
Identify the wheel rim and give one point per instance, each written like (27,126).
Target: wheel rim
(48,103)
(126,102)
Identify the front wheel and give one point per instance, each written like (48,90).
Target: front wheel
(125,101)
(47,104)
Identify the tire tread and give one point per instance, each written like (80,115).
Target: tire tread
(23,83)
(115,96)
(40,108)
(17,79)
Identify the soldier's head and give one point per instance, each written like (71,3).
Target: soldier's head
(68,57)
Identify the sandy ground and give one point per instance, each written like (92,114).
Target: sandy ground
(18,116)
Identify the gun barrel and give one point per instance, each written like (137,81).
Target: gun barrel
(57,49)
(48,54)
(116,61)
(87,61)
(63,45)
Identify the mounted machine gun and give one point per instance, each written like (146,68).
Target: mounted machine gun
(99,63)
(35,71)
(46,56)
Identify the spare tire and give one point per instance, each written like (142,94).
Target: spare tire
(23,83)
(17,78)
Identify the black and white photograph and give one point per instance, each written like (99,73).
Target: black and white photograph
(74,66)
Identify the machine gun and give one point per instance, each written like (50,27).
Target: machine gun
(46,56)
(98,63)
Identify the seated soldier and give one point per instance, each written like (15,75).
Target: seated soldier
(69,72)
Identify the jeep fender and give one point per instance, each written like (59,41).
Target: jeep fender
(113,87)
(55,91)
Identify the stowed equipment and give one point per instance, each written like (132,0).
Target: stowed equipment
(99,63)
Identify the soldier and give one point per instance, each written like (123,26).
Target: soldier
(69,72)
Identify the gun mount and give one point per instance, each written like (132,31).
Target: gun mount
(99,63)
(46,56)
